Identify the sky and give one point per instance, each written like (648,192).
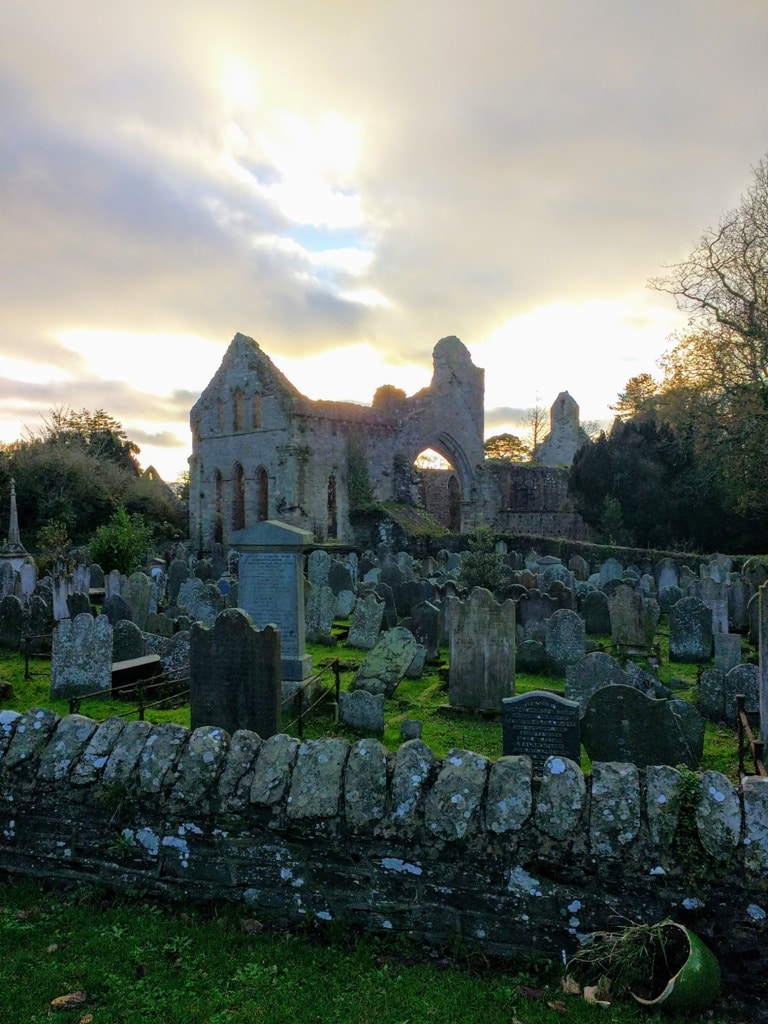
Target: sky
(349,182)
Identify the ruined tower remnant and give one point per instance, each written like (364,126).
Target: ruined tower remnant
(565,436)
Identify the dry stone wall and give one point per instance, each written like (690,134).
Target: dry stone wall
(460,848)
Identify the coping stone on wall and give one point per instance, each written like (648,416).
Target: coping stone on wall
(454,801)
(32,732)
(93,759)
(414,765)
(615,808)
(316,781)
(277,756)
(125,755)
(235,781)
(562,798)
(663,800)
(198,769)
(718,815)
(65,746)
(755,790)
(510,798)
(365,784)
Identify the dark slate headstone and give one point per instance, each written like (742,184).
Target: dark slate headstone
(384,591)
(339,577)
(565,640)
(540,725)
(590,674)
(531,656)
(535,607)
(38,624)
(668,598)
(11,618)
(127,641)
(406,595)
(77,603)
(234,675)
(425,625)
(116,608)
(597,616)
(178,573)
(622,724)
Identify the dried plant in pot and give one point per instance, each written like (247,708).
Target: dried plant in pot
(663,966)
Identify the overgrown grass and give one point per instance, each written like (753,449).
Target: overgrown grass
(136,960)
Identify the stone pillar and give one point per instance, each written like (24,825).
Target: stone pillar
(271,587)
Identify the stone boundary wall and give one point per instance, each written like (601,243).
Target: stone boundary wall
(569,525)
(460,849)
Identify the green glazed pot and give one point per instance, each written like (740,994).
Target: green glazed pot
(686,974)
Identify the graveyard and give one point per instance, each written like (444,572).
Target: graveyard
(419,758)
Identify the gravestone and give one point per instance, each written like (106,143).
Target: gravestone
(201,599)
(535,607)
(112,583)
(540,724)
(563,596)
(742,679)
(712,698)
(345,603)
(579,567)
(715,596)
(178,573)
(633,618)
(425,624)
(116,608)
(318,564)
(319,613)
(384,591)
(482,651)
(762,632)
(611,569)
(11,622)
(7,579)
(77,603)
(666,574)
(95,577)
(622,724)
(597,617)
(589,675)
(385,666)
(565,640)
(363,711)
(127,641)
(690,631)
(271,587)
(38,624)
(406,595)
(339,577)
(727,651)
(531,656)
(668,599)
(366,622)
(234,675)
(81,656)
(28,577)
(739,594)
(62,587)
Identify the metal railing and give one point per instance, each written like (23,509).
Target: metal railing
(747,741)
(297,699)
(143,689)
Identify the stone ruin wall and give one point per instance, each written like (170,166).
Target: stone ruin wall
(459,849)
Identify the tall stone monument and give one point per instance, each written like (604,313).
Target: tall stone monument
(271,587)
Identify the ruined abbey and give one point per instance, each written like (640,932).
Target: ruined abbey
(262,450)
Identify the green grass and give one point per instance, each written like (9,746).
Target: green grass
(138,960)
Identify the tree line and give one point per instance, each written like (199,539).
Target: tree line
(685,461)
(74,474)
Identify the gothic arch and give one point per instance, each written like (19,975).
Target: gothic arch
(238,497)
(262,494)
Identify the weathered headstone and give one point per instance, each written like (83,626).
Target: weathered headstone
(366,623)
(385,666)
(271,587)
(540,724)
(178,573)
(11,622)
(727,651)
(116,608)
(597,617)
(589,675)
(633,618)
(425,621)
(666,574)
(201,599)
(339,577)
(318,564)
(138,595)
(362,710)
(234,675)
(319,613)
(690,631)
(622,724)
(742,679)
(81,657)
(482,651)
(127,641)
(565,640)
(762,608)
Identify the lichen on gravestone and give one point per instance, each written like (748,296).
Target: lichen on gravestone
(453,802)
(718,815)
(615,807)
(561,799)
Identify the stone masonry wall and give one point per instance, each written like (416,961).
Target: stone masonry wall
(462,848)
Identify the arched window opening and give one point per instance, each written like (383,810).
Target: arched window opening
(262,495)
(237,410)
(332,525)
(238,498)
(256,411)
(220,415)
(218,520)
(435,489)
